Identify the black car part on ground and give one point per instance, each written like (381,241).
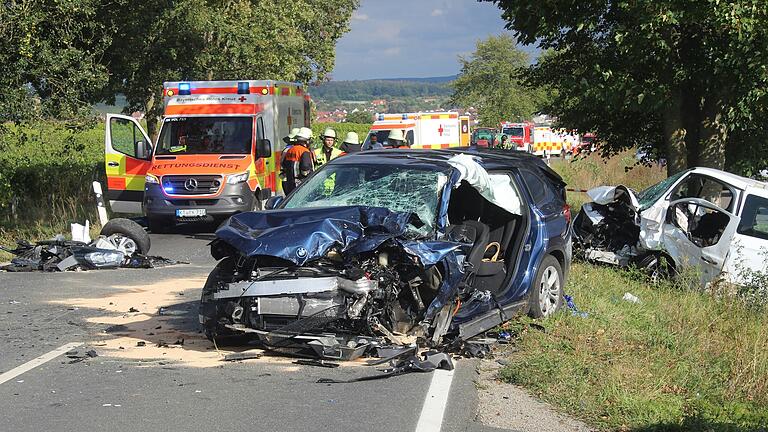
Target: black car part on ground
(123,243)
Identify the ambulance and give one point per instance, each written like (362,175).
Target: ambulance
(217,152)
(553,142)
(426,130)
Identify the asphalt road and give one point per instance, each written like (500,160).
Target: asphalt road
(173,384)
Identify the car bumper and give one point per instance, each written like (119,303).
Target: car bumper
(232,200)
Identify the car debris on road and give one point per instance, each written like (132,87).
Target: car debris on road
(122,244)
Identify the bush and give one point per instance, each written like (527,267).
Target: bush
(46,171)
(341,130)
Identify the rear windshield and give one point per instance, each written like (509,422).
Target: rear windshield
(205,135)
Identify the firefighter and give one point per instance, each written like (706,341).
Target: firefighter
(396,139)
(297,163)
(289,141)
(328,150)
(351,143)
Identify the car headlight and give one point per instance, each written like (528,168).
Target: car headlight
(149,178)
(237,178)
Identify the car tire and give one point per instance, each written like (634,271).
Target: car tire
(546,296)
(214,331)
(657,267)
(130,229)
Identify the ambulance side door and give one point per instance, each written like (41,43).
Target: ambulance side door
(127,158)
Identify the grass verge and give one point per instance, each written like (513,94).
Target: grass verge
(678,360)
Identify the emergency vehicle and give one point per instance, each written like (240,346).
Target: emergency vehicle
(217,152)
(423,130)
(553,142)
(520,134)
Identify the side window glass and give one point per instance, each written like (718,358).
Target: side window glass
(696,186)
(754,217)
(260,129)
(125,135)
(535,185)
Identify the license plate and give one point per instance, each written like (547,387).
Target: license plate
(190,212)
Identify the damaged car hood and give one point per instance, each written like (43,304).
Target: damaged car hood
(308,234)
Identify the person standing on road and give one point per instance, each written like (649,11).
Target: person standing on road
(289,141)
(351,143)
(328,150)
(297,163)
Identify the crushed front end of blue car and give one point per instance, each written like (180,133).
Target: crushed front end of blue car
(332,283)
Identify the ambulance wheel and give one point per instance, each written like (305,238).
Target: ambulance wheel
(159,225)
(122,232)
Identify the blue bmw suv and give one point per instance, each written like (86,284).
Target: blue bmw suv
(439,244)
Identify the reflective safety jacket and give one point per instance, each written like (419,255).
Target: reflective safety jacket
(320,155)
(297,162)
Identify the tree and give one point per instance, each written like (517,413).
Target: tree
(160,41)
(685,79)
(360,116)
(49,53)
(490,81)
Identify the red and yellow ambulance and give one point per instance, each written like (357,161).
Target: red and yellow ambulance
(217,152)
(426,130)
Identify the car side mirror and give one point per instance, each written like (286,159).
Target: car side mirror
(263,148)
(273,202)
(143,150)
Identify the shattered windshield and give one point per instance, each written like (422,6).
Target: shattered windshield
(397,188)
(205,135)
(653,193)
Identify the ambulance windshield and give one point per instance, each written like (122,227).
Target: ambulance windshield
(513,131)
(205,135)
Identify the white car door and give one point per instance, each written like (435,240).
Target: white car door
(750,244)
(698,234)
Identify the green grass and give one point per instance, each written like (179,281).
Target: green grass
(679,360)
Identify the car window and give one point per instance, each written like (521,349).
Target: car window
(124,136)
(702,226)
(652,194)
(535,185)
(754,217)
(706,188)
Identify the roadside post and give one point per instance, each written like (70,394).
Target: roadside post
(103,218)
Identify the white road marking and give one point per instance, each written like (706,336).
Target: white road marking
(28,366)
(431,419)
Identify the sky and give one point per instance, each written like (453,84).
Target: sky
(413,38)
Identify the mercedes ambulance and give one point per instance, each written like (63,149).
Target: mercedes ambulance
(426,130)
(217,152)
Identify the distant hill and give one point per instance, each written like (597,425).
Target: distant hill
(383,88)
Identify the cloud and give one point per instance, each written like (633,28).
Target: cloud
(359,17)
(437,12)
(391,51)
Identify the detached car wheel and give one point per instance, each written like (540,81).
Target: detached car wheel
(127,236)
(546,295)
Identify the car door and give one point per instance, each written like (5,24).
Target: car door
(698,234)
(750,244)
(127,158)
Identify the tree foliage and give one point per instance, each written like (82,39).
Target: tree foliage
(57,57)
(686,79)
(490,81)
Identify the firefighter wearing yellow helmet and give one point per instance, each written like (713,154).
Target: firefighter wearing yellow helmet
(327,150)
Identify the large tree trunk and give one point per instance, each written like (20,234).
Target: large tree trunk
(674,134)
(713,137)
(152,116)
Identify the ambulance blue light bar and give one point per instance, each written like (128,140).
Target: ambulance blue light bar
(185,89)
(381,117)
(405,116)
(243,87)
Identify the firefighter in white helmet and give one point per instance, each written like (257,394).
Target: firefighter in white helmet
(297,162)
(351,143)
(396,139)
(328,150)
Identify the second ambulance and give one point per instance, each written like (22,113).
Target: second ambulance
(427,130)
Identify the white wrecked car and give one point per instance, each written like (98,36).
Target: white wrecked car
(702,217)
